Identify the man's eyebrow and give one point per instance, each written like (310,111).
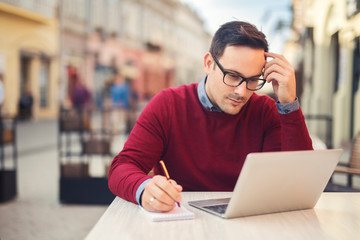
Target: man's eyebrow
(241,75)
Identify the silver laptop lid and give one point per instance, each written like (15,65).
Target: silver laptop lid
(281,181)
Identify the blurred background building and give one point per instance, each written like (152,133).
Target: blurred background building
(155,44)
(325,50)
(161,43)
(46,46)
(29,50)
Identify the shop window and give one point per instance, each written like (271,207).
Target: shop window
(356,67)
(355,84)
(352,7)
(25,62)
(335,50)
(26,98)
(44,82)
(309,61)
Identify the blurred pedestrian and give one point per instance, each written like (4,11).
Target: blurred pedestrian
(26,104)
(2,92)
(81,96)
(72,76)
(120,96)
(2,96)
(81,100)
(130,72)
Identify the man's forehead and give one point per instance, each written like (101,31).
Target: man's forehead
(246,62)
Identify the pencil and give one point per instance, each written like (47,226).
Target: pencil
(167,175)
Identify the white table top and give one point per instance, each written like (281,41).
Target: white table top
(336,216)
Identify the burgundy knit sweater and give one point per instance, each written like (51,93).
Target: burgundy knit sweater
(202,150)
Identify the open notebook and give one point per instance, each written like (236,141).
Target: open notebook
(178,213)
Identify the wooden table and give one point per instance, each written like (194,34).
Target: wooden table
(336,216)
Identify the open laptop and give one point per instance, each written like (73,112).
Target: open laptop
(272,182)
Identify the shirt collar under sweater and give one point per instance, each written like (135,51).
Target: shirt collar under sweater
(204,99)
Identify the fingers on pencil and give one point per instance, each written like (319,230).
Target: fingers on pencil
(164,192)
(177,186)
(168,188)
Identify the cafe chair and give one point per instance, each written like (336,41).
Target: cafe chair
(8,186)
(78,143)
(352,168)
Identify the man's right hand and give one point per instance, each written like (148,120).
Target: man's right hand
(160,194)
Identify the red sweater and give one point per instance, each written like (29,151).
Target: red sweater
(202,150)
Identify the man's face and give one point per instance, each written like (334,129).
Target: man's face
(241,60)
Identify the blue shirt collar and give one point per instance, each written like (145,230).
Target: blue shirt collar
(204,99)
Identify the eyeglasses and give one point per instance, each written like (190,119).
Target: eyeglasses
(233,80)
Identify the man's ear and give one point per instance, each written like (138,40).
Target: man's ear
(208,63)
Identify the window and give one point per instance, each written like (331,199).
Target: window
(44,82)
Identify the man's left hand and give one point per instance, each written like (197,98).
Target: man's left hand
(281,74)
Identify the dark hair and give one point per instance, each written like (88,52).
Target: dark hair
(237,33)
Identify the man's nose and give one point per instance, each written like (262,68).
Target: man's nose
(241,89)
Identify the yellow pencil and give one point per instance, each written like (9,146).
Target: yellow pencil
(167,175)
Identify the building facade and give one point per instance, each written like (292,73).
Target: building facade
(326,52)
(157,43)
(29,47)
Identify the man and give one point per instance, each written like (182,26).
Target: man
(204,131)
(120,96)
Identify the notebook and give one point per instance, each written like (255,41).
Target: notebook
(178,213)
(276,182)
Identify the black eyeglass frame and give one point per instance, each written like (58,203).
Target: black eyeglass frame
(259,86)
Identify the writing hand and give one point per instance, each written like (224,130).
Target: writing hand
(160,194)
(281,74)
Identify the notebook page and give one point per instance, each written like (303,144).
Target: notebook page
(178,213)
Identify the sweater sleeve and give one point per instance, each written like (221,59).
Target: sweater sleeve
(285,132)
(143,149)
(294,133)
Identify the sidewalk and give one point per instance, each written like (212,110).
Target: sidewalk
(36,212)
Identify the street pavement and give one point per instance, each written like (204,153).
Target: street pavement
(36,212)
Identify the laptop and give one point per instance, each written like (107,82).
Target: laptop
(272,182)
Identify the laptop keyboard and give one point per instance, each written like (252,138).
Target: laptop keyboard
(217,208)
